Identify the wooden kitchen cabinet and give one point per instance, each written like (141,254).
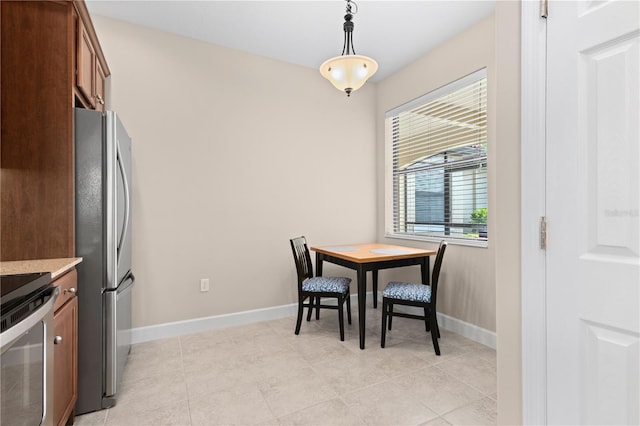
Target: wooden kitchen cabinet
(39,65)
(90,67)
(65,362)
(85,64)
(99,83)
(40,88)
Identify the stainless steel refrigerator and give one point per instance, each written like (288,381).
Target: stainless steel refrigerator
(103,240)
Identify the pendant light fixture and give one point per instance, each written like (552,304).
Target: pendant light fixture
(348,71)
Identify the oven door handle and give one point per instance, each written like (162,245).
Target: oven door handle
(8,337)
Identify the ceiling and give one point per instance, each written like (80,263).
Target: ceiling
(305,32)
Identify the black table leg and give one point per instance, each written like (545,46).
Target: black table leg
(424,270)
(374,275)
(319,258)
(362,303)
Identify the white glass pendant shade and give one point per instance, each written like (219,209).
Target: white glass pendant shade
(348,72)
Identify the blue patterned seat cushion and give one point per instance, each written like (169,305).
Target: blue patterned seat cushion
(408,291)
(327,284)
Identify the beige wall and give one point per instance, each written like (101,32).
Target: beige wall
(480,286)
(199,113)
(233,154)
(508,283)
(467,287)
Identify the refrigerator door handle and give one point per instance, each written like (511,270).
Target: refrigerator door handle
(129,277)
(110,200)
(127,201)
(112,331)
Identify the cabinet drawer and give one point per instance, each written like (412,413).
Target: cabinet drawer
(68,286)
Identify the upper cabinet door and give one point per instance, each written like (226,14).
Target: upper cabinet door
(99,86)
(86,63)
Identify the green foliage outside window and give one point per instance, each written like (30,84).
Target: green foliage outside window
(479,216)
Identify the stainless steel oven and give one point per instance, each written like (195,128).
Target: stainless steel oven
(26,349)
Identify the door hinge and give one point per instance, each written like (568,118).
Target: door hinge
(543,233)
(544,8)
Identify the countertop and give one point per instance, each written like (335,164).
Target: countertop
(57,267)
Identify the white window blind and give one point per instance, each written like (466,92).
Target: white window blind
(439,163)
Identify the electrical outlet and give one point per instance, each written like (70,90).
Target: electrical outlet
(204,285)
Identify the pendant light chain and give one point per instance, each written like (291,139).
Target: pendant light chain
(348,30)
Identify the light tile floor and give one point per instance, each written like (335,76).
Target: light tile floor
(264,374)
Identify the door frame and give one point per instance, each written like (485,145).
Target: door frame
(533,208)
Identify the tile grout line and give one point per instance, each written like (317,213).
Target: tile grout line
(468,404)
(184,380)
(484,393)
(316,333)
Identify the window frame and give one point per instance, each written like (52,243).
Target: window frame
(389,162)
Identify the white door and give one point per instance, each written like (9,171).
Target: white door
(593,193)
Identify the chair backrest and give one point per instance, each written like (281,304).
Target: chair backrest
(301,256)
(436,271)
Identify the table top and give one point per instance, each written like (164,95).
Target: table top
(372,252)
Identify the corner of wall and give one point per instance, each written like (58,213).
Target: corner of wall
(508,281)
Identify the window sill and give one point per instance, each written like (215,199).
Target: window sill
(452,241)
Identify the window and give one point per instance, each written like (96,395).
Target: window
(437,164)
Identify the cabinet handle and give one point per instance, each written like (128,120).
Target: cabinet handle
(100,100)
(57,340)
(71,290)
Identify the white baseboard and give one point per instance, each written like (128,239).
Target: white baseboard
(181,328)
(465,329)
(470,331)
(197,325)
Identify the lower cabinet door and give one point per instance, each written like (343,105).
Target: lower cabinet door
(65,361)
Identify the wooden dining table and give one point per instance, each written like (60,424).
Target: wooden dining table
(371,257)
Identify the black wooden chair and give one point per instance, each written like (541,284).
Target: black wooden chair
(315,288)
(411,294)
